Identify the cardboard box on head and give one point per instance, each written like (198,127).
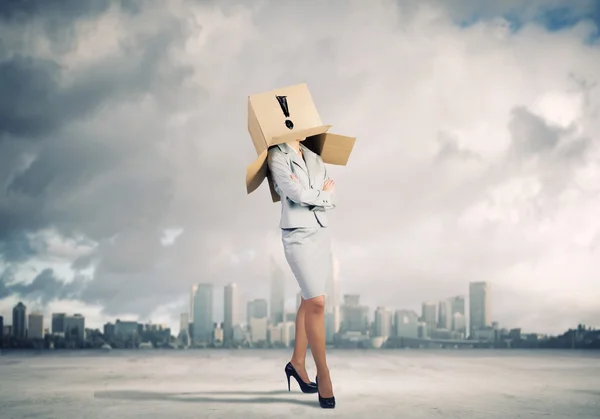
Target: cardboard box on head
(285,115)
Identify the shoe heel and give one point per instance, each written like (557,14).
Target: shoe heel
(287,374)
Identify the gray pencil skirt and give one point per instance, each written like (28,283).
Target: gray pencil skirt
(308,252)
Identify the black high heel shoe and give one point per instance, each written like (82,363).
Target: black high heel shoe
(326,403)
(290,371)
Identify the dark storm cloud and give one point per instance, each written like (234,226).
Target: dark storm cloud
(16,248)
(44,288)
(60,12)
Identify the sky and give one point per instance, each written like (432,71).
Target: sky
(124,143)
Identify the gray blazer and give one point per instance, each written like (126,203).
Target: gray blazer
(303,202)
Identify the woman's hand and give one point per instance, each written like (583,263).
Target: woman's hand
(328,185)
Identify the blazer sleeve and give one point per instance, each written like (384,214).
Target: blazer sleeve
(281,172)
(332,196)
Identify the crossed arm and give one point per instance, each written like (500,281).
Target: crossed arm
(286,183)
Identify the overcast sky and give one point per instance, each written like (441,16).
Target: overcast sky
(124,143)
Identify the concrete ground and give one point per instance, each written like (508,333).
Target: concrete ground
(251,384)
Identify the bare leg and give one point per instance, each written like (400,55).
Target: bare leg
(315,331)
(298,360)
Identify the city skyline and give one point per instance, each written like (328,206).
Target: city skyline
(476,159)
(347,315)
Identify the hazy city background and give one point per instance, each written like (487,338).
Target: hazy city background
(468,209)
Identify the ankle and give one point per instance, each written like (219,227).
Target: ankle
(298,363)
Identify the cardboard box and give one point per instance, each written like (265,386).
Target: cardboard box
(287,114)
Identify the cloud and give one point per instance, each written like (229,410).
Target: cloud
(475,160)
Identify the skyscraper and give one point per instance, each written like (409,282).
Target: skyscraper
(277,293)
(19,325)
(383,322)
(407,324)
(355,317)
(257,309)
(457,304)
(75,328)
(479,306)
(428,315)
(203,313)
(36,326)
(445,315)
(184,329)
(192,296)
(58,323)
(1,330)
(230,315)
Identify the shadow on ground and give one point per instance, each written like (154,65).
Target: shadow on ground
(261,397)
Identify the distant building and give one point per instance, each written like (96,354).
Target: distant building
(257,309)
(459,324)
(230,312)
(383,322)
(445,315)
(1,331)
(406,324)
(125,330)
(19,325)
(217,335)
(36,326)
(479,306)
(429,315)
(203,314)
(75,328)
(354,317)
(58,323)
(282,333)
(258,329)
(109,331)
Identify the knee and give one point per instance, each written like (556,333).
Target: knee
(316,304)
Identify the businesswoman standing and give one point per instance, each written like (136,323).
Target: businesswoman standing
(300,178)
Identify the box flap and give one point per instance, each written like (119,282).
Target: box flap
(256,172)
(299,135)
(333,148)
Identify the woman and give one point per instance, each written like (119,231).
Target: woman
(300,179)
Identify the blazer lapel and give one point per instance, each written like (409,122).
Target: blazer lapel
(311,163)
(294,157)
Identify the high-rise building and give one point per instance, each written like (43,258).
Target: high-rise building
(406,324)
(445,315)
(383,322)
(1,331)
(19,325)
(109,331)
(479,306)
(58,323)
(257,309)
(194,288)
(355,317)
(429,315)
(231,307)
(258,329)
(277,293)
(203,314)
(457,305)
(36,326)
(75,328)
(184,329)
